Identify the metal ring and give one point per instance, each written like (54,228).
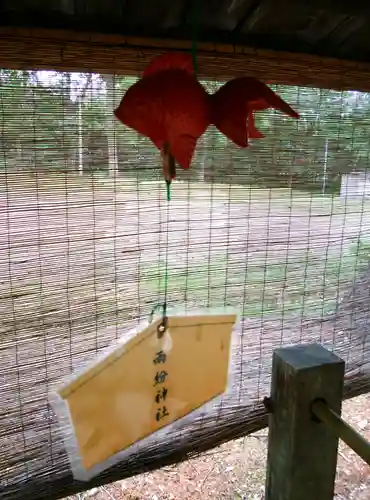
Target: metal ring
(161,328)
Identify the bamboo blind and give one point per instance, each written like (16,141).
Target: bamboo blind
(100,53)
(83,237)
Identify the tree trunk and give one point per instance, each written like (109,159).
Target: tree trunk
(110,126)
(69,121)
(80,139)
(203,163)
(19,155)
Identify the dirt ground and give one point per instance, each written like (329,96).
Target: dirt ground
(76,261)
(236,471)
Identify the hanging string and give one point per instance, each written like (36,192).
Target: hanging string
(168,190)
(171,170)
(195,32)
(163,325)
(162,328)
(167,230)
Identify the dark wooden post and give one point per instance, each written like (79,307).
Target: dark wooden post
(302,453)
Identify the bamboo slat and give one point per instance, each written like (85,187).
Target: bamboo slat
(98,53)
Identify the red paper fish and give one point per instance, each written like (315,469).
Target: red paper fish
(235,102)
(170,107)
(178,60)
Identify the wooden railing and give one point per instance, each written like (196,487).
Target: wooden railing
(305,424)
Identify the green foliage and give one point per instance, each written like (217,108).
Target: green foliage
(305,284)
(42,129)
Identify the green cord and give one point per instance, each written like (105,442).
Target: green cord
(194,54)
(195,25)
(168,190)
(166,277)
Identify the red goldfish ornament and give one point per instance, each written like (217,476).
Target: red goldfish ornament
(235,102)
(170,107)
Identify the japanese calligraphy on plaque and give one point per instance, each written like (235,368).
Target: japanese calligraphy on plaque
(142,386)
(160,379)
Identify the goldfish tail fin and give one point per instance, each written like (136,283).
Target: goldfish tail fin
(158,143)
(171,60)
(229,116)
(182,148)
(236,130)
(118,112)
(253,132)
(277,102)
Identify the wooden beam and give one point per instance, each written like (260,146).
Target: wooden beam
(60,50)
(343,430)
(302,453)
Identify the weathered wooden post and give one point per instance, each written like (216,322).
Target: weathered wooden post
(302,452)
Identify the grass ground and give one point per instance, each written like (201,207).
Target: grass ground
(282,253)
(79,255)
